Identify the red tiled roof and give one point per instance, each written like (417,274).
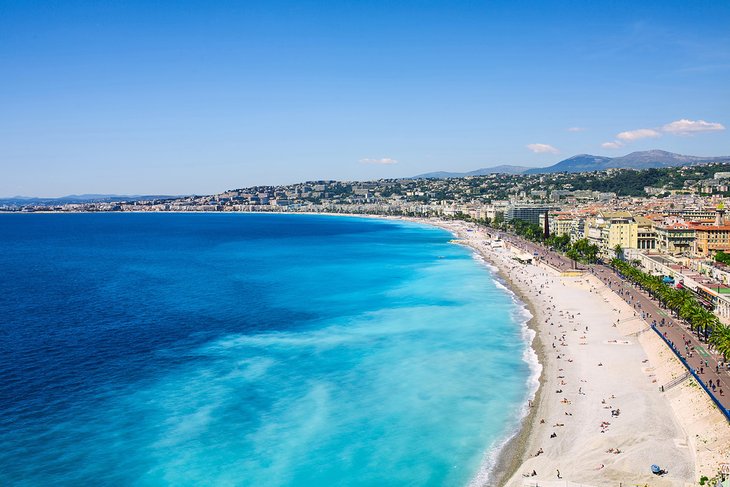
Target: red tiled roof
(709,228)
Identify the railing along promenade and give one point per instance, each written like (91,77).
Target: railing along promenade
(723,409)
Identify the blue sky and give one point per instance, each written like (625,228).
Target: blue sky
(198,97)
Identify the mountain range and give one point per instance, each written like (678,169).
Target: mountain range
(79,198)
(587,163)
(504,169)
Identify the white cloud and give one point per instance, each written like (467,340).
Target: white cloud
(690,127)
(631,135)
(612,145)
(542,149)
(576,129)
(385,161)
(678,127)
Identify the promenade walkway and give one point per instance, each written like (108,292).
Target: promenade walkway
(707,367)
(554,259)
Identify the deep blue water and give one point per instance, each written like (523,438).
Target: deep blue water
(239,349)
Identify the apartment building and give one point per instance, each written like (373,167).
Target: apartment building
(607,229)
(645,236)
(674,238)
(559,223)
(528,213)
(710,239)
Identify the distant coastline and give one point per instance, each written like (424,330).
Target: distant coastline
(481,196)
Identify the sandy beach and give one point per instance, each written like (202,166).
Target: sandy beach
(599,417)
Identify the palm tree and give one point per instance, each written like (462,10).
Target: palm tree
(619,251)
(677,299)
(704,322)
(573,255)
(720,339)
(690,313)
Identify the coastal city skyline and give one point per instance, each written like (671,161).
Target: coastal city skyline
(142,99)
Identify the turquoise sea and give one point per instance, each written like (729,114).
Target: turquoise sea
(252,350)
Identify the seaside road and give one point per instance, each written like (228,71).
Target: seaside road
(554,259)
(708,366)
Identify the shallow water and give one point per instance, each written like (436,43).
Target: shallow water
(230,349)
